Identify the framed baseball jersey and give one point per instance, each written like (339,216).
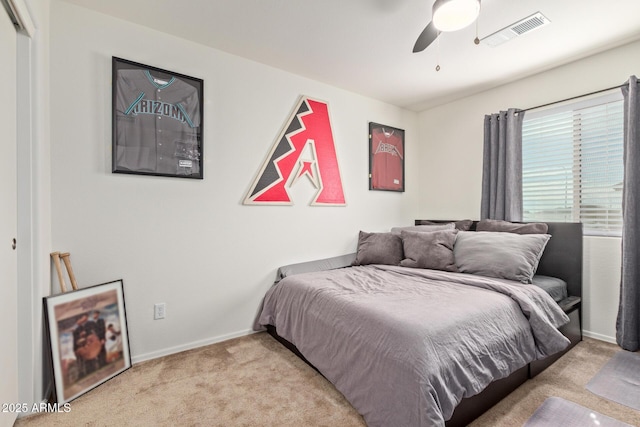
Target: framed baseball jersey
(386,158)
(157,121)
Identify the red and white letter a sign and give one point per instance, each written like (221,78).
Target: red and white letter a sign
(305,147)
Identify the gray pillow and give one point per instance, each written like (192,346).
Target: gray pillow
(378,248)
(502,255)
(424,228)
(512,227)
(432,250)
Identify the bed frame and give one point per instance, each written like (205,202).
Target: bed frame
(562,258)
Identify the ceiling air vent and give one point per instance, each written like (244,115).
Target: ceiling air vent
(516,29)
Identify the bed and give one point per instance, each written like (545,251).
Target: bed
(413,346)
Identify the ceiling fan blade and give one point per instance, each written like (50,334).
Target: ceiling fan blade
(428,35)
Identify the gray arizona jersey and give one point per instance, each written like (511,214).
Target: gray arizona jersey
(157,124)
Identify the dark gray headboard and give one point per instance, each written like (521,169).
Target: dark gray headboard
(562,256)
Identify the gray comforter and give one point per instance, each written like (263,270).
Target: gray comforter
(405,345)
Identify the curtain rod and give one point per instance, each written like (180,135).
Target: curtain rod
(576,97)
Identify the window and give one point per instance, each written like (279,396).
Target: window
(572,166)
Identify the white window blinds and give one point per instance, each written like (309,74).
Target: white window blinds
(572,166)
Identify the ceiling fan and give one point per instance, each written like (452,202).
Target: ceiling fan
(448,15)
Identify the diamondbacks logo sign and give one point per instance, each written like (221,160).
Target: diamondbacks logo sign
(304,149)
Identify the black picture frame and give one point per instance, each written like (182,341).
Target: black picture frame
(88,338)
(386,158)
(157,121)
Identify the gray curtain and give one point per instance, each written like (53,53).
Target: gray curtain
(628,322)
(502,166)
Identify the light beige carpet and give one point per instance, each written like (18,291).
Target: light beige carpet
(255,381)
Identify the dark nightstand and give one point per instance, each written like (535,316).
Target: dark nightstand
(570,303)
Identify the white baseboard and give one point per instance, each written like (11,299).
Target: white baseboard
(600,337)
(189,346)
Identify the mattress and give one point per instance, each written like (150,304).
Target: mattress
(556,288)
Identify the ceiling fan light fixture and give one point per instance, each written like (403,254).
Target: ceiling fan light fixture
(453,15)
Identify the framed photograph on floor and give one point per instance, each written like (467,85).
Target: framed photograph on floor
(157,121)
(87,331)
(386,158)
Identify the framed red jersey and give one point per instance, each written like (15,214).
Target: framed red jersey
(386,158)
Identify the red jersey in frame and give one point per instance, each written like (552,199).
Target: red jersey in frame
(386,148)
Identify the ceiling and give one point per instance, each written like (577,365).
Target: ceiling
(365,46)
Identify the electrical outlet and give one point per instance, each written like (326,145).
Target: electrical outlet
(159,311)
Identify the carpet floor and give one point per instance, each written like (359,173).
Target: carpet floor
(255,381)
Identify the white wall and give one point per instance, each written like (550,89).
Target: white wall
(451,154)
(191,243)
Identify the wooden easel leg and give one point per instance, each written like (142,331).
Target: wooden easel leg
(56,262)
(67,263)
